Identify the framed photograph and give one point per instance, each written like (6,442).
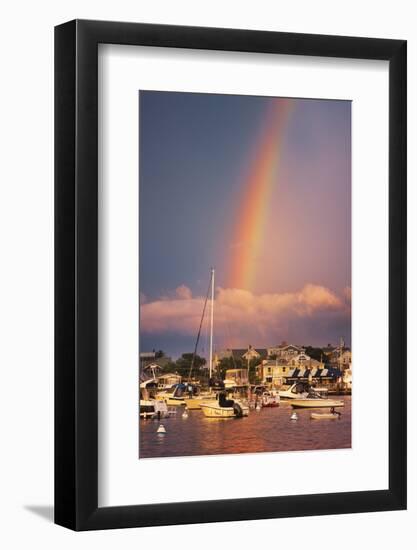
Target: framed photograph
(230,252)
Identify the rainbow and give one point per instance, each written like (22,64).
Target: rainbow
(252,214)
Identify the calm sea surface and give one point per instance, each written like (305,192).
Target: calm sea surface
(265,431)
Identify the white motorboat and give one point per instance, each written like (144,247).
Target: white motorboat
(295,391)
(146,408)
(314,401)
(187,395)
(301,398)
(146,400)
(152,408)
(170,398)
(224,408)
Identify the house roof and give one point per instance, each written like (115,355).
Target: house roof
(150,366)
(239,353)
(314,372)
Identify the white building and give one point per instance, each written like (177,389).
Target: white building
(285,351)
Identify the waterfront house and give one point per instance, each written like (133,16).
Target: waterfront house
(304,360)
(338,356)
(252,353)
(284,351)
(276,374)
(273,372)
(341,357)
(283,360)
(347,379)
(345,359)
(322,376)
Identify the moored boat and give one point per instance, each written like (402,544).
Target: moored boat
(325,416)
(170,399)
(152,408)
(270,399)
(315,403)
(146,408)
(295,391)
(147,399)
(187,395)
(224,408)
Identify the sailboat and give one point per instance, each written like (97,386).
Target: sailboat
(221,407)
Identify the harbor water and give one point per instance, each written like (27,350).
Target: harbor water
(267,430)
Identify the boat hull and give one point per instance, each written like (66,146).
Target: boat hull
(324,416)
(289,396)
(214,410)
(172,401)
(194,403)
(315,403)
(146,408)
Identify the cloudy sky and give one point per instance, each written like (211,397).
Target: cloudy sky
(259,189)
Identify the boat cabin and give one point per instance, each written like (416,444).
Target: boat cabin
(235,378)
(166,381)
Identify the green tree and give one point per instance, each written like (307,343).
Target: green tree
(183,364)
(169,367)
(227,363)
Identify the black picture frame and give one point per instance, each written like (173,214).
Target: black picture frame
(76,272)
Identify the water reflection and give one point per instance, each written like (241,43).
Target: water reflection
(265,431)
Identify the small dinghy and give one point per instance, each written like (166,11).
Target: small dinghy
(325,416)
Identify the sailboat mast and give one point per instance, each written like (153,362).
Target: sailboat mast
(211,324)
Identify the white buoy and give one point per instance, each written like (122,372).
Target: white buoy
(258,407)
(161,429)
(185,413)
(294,416)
